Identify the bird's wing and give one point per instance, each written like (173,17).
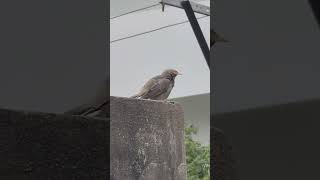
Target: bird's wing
(160,87)
(150,83)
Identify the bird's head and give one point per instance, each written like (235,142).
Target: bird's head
(171,73)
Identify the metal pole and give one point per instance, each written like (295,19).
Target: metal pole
(197,30)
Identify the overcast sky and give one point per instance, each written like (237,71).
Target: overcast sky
(134,61)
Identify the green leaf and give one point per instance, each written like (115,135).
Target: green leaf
(198,156)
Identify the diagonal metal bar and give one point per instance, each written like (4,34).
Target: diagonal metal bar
(197,30)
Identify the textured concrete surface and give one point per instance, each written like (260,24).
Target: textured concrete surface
(147,140)
(42,146)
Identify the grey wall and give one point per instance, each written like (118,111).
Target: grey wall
(273,56)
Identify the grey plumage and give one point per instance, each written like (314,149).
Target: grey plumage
(158,87)
(97,107)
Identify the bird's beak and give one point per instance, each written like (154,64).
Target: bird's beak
(179,74)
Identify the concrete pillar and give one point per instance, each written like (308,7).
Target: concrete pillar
(147,140)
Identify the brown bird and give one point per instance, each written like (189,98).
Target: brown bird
(158,87)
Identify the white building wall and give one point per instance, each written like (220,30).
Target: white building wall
(197,112)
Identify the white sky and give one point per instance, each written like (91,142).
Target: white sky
(134,61)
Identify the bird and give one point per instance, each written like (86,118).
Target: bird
(215,37)
(159,87)
(98,106)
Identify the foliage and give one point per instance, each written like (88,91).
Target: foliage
(198,157)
